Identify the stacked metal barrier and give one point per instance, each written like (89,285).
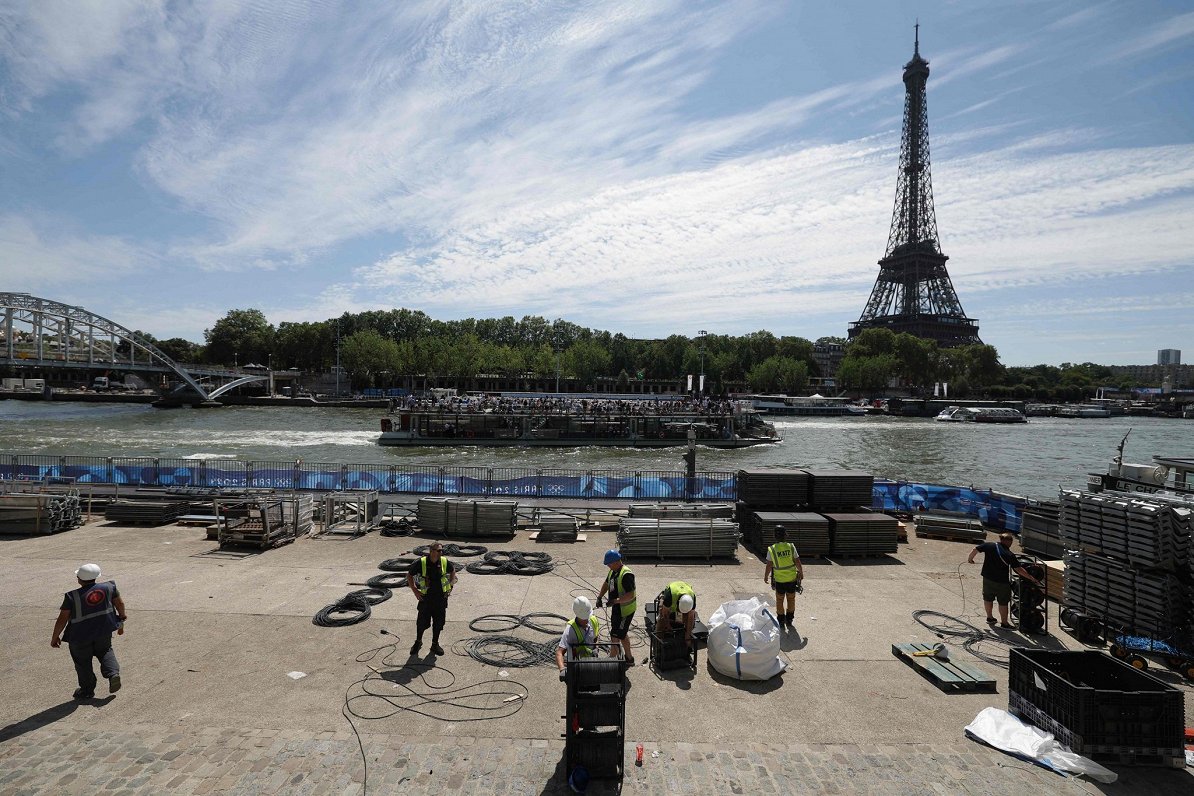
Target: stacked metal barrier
(467,517)
(863,534)
(681,510)
(642,537)
(145,512)
(807,531)
(1130,561)
(22,513)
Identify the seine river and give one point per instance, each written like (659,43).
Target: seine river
(1031,460)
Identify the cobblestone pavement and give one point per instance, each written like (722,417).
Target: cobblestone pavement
(147,759)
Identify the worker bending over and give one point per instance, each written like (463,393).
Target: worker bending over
(619,584)
(785,573)
(674,606)
(579,639)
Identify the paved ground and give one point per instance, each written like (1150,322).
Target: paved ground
(208,706)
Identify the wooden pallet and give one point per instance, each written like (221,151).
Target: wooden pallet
(949,676)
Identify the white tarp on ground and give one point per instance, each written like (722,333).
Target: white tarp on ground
(744,640)
(1006,732)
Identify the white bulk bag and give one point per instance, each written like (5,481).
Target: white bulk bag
(744,640)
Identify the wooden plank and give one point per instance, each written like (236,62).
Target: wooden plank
(580,537)
(947,675)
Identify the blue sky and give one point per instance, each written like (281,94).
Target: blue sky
(644,167)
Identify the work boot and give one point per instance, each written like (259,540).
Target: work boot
(791,616)
(113,684)
(414,648)
(81,694)
(436,649)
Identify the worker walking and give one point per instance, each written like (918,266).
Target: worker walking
(89,615)
(675,606)
(431,579)
(998,563)
(580,636)
(785,573)
(619,584)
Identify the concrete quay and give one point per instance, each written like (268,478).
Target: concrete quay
(209,706)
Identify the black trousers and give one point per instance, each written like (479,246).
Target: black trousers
(81,652)
(431,614)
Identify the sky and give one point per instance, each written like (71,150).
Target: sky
(648,167)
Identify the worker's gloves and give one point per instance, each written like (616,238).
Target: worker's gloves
(799,587)
(563,675)
(599,603)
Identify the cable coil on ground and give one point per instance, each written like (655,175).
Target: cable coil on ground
(511,562)
(402,527)
(969,637)
(372,595)
(452,549)
(507,651)
(393,580)
(352,609)
(505,623)
(399,564)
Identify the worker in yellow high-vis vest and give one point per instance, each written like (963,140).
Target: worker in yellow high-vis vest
(619,584)
(785,573)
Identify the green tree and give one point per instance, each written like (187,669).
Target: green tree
(779,374)
(181,350)
(586,360)
(366,356)
(240,336)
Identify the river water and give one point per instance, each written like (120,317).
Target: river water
(1031,460)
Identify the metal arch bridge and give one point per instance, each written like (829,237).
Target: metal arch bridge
(37,332)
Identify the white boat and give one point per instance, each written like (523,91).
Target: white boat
(814,405)
(1083,411)
(980,414)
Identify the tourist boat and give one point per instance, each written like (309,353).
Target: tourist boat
(1166,474)
(806,406)
(564,422)
(1082,411)
(980,414)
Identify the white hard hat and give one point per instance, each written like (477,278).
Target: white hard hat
(582,607)
(686,602)
(88,572)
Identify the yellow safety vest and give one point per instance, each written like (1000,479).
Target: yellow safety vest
(625,609)
(783,562)
(678,589)
(445,581)
(582,650)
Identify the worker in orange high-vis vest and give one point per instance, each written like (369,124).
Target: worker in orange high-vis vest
(785,573)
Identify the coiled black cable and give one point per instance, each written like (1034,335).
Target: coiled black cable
(390,581)
(372,595)
(402,527)
(971,638)
(399,564)
(451,549)
(353,607)
(507,651)
(511,562)
(504,623)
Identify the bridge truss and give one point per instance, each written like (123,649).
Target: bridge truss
(42,333)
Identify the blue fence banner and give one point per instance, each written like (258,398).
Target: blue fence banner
(993,509)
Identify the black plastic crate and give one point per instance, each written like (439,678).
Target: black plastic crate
(601,753)
(1099,701)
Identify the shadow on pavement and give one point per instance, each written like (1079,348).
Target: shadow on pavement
(751,686)
(791,641)
(48,716)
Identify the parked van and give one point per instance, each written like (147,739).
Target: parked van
(100,383)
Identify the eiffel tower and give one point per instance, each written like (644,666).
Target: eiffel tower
(913,293)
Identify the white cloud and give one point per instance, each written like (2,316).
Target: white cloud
(1161,35)
(41,256)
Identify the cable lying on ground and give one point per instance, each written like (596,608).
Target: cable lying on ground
(511,562)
